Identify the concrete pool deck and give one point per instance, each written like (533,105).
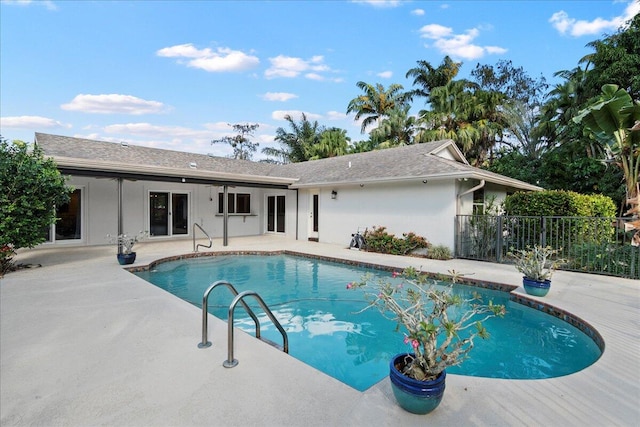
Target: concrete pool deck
(85,343)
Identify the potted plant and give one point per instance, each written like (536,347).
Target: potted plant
(537,267)
(125,246)
(439,325)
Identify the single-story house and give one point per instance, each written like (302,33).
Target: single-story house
(127,188)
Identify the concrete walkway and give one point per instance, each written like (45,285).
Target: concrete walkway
(85,343)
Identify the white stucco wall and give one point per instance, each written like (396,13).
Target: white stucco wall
(425,209)
(100,209)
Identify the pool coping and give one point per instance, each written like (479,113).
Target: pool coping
(84,342)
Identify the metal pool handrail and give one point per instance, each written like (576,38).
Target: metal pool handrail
(195,247)
(231,362)
(205,305)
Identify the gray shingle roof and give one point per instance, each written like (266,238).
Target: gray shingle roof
(91,150)
(393,164)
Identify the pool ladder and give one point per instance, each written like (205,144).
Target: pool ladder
(238,298)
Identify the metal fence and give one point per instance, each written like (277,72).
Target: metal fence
(588,244)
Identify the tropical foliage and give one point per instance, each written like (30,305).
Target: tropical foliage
(31,188)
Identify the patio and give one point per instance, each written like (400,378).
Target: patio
(84,342)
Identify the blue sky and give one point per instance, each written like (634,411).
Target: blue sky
(175,74)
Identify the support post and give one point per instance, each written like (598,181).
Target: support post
(225,215)
(120,180)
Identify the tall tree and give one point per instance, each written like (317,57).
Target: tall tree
(376,102)
(397,129)
(616,60)
(243,147)
(426,77)
(461,111)
(333,142)
(296,145)
(521,104)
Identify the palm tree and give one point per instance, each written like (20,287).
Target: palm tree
(466,114)
(296,146)
(333,142)
(426,77)
(376,102)
(396,130)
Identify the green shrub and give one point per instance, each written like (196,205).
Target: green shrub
(559,203)
(440,252)
(596,209)
(379,240)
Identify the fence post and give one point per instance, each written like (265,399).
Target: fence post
(543,231)
(499,239)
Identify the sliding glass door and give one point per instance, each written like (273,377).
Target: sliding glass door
(168,213)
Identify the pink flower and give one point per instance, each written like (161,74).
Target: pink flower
(406,339)
(395,274)
(349,285)
(415,344)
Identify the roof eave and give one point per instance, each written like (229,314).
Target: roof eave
(432,177)
(112,167)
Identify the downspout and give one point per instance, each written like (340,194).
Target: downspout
(471,190)
(297,211)
(225,215)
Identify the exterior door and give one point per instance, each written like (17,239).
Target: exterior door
(276,214)
(168,213)
(313,217)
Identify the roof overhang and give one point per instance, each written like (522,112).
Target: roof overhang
(83,167)
(500,180)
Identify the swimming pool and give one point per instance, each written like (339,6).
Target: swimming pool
(310,300)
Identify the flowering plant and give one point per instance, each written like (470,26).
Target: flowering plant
(434,318)
(125,242)
(535,263)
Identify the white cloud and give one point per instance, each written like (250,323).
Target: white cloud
(385,74)
(31,122)
(113,104)
(278,96)
(458,45)
(295,115)
(220,60)
(435,31)
(289,67)
(46,3)
(336,115)
(379,3)
(417,12)
(576,28)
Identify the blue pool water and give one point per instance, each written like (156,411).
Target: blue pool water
(310,300)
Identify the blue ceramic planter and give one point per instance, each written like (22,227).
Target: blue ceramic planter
(417,397)
(536,288)
(124,259)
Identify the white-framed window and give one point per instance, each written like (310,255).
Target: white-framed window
(478,202)
(238,203)
(70,224)
(168,213)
